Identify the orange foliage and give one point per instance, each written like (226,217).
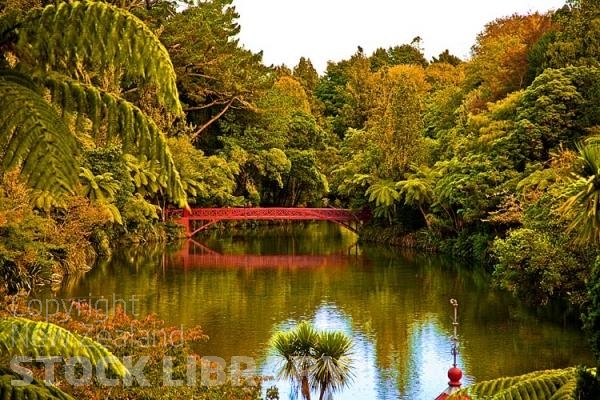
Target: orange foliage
(500,55)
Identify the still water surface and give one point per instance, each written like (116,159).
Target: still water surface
(242,288)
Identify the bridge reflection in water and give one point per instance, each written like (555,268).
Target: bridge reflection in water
(194,254)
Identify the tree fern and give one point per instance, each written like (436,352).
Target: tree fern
(383,193)
(145,174)
(87,41)
(539,385)
(99,187)
(99,38)
(20,336)
(120,119)
(34,139)
(36,390)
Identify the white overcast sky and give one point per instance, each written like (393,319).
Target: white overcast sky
(324,30)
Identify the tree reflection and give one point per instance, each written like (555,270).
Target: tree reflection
(395,306)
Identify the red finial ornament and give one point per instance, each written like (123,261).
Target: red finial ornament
(454,374)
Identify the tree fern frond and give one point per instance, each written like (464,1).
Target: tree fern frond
(97,36)
(113,211)
(35,390)
(20,336)
(11,75)
(138,133)
(383,193)
(566,392)
(36,140)
(539,385)
(44,200)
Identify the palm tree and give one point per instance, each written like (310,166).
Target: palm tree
(417,192)
(332,368)
(295,347)
(80,71)
(320,360)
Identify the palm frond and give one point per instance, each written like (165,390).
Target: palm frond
(305,336)
(284,346)
(332,369)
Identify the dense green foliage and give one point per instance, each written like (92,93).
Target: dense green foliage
(115,111)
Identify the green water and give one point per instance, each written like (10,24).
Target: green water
(242,288)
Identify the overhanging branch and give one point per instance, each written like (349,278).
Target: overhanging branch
(213,119)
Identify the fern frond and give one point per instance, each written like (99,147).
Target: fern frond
(20,336)
(566,392)
(101,38)
(539,385)
(138,133)
(11,75)
(36,140)
(383,193)
(35,390)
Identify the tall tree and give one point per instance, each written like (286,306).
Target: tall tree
(446,57)
(395,120)
(215,74)
(500,56)
(577,39)
(306,74)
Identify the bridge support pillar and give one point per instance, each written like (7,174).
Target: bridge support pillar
(185,221)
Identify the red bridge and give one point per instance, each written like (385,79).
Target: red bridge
(208,216)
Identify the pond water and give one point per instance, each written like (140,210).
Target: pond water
(243,287)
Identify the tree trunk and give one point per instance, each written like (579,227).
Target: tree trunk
(425,217)
(322,393)
(305,388)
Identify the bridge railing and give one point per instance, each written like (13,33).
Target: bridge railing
(348,218)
